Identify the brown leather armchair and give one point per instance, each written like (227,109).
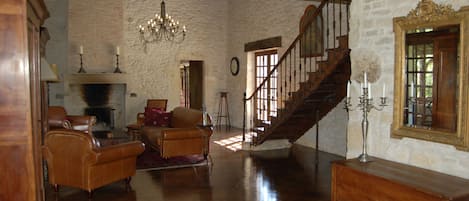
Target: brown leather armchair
(57,118)
(184,135)
(74,159)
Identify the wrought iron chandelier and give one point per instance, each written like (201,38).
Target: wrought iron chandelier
(162,27)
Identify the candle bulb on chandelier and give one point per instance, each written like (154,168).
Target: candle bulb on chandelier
(81,49)
(117,50)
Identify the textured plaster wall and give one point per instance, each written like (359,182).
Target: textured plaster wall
(332,136)
(98,27)
(371,30)
(154,71)
(57,25)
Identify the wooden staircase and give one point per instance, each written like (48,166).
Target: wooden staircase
(305,94)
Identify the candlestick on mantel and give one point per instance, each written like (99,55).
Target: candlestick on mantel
(81,70)
(117,69)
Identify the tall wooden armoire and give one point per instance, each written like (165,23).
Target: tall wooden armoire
(20,99)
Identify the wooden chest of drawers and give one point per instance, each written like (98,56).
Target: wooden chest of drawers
(382,180)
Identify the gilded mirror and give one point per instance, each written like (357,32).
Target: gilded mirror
(430,96)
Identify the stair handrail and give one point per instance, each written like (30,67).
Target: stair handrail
(292,45)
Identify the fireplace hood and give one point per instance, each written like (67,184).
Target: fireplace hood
(96,78)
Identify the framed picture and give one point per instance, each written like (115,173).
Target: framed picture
(312,41)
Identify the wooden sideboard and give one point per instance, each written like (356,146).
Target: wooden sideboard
(383,180)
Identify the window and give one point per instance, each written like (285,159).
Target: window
(266,97)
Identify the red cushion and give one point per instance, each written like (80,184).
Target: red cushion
(151,116)
(164,119)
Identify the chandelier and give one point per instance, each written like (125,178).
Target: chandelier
(162,27)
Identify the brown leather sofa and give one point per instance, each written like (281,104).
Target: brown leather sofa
(74,159)
(184,135)
(57,118)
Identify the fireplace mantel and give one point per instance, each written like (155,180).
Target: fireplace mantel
(96,78)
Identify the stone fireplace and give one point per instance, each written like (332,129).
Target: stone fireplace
(105,100)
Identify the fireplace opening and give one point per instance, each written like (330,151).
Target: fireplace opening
(105,102)
(104,115)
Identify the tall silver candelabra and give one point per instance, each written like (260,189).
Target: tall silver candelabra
(365,105)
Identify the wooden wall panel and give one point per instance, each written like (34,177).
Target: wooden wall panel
(21,178)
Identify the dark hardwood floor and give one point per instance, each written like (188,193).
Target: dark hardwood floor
(290,175)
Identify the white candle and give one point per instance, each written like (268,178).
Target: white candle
(365,79)
(348,89)
(118,50)
(384,90)
(369,90)
(81,49)
(412,89)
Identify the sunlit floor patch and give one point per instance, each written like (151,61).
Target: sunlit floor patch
(234,143)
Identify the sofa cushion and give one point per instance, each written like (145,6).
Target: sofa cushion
(185,118)
(164,119)
(153,134)
(151,116)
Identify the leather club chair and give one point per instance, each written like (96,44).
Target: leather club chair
(74,159)
(184,135)
(57,118)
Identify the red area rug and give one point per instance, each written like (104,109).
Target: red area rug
(151,160)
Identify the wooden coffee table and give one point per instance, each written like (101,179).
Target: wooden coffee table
(113,141)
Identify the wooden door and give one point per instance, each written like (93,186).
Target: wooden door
(196,86)
(445,79)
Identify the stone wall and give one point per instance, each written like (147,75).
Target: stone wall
(372,31)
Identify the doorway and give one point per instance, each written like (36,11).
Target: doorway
(192,84)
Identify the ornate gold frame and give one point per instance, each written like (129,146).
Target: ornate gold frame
(429,14)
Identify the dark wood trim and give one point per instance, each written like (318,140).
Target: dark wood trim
(263,44)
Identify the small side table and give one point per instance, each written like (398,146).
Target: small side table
(133,130)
